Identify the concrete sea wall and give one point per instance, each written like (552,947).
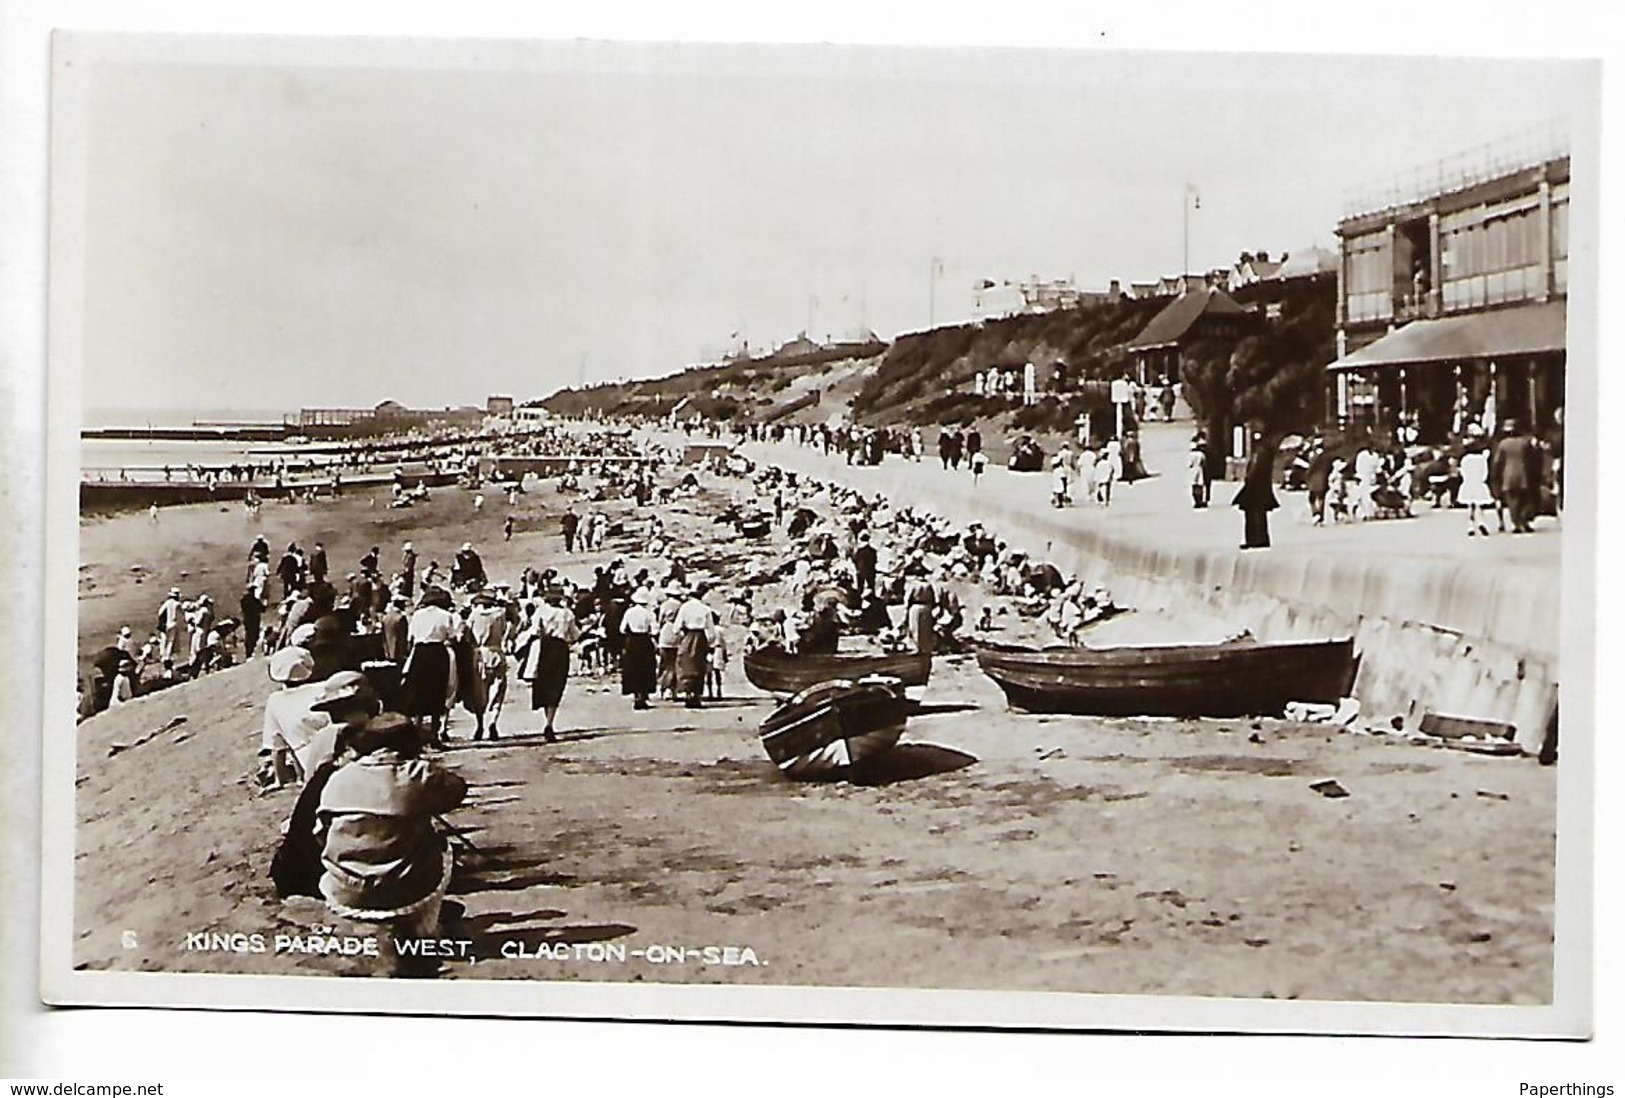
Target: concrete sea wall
(1432,635)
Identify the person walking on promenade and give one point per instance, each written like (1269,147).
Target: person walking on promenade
(1317,478)
(1105,474)
(1133,467)
(1475,487)
(546,645)
(717,662)
(1060,481)
(409,571)
(507,528)
(944,446)
(429,678)
(1197,467)
(568,525)
(696,624)
(638,651)
(667,636)
(1366,467)
(318,564)
(393,628)
(973,444)
(1515,472)
(1257,495)
(290,570)
(487,626)
(253,602)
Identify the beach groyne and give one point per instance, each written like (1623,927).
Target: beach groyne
(105,496)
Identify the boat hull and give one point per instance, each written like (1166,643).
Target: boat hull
(779,673)
(833,726)
(1235,679)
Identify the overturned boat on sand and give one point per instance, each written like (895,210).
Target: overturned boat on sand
(831,727)
(1234,678)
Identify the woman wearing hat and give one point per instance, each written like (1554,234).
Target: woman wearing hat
(638,650)
(546,644)
(667,635)
(487,628)
(695,624)
(290,720)
(382,859)
(429,679)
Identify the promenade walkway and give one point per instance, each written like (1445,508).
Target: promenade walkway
(1446,622)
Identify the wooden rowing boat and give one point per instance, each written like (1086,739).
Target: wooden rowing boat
(831,727)
(1232,679)
(774,670)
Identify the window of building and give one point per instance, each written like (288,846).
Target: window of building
(1491,255)
(1370,275)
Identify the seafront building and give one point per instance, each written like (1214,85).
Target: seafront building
(1199,313)
(1452,297)
(386,417)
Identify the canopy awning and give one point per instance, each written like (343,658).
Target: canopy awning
(1496,333)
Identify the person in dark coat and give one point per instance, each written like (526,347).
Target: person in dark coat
(638,656)
(865,561)
(251,609)
(409,571)
(394,628)
(1515,475)
(290,570)
(1318,479)
(1257,495)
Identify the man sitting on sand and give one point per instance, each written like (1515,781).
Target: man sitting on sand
(382,859)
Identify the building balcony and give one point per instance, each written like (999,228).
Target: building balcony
(1409,307)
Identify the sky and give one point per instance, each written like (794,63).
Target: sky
(315,226)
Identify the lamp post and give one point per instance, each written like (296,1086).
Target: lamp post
(1192,199)
(936,269)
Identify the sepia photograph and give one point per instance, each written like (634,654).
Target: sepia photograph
(915,536)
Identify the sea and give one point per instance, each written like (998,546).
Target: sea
(112,454)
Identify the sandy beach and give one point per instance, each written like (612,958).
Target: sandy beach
(999,850)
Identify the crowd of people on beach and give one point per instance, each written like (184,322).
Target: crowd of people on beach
(370,670)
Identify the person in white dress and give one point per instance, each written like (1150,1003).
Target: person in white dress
(1107,470)
(1060,482)
(1475,488)
(1366,465)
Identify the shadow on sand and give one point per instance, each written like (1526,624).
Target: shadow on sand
(909,761)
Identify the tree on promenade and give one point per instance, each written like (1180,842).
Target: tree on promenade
(1273,380)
